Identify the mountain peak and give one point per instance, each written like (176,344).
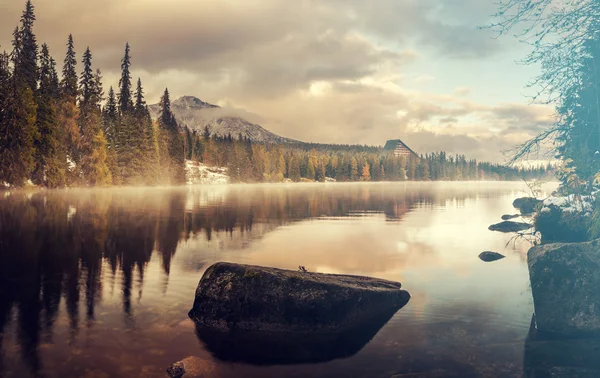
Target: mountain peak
(193,103)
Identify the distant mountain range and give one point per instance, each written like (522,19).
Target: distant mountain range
(197,114)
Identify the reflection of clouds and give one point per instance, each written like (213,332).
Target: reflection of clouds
(358,246)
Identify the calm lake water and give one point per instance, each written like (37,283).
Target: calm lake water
(98,283)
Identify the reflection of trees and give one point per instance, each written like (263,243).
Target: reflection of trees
(64,245)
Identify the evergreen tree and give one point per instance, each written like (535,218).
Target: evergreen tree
(68,113)
(94,167)
(26,67)
(50,167)
(69,72)
(17,130)
(86,82)
(125,100)
(110,122)
(144,143)
(128,151)
(175,161)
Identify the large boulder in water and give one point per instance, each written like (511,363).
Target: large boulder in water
(526,205)
(253,298)
(565,282)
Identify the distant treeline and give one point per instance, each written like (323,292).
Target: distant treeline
(263,162)
(58,132)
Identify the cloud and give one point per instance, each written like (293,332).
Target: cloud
(333,71)
(462,91)
(421,79)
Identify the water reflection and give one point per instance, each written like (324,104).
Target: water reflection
(85,273)
(271,349)
(551,356)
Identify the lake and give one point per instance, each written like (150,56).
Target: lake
(98,283)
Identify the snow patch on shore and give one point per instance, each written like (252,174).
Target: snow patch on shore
(198,173)
(570,204)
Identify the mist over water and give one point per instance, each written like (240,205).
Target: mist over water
(98,283)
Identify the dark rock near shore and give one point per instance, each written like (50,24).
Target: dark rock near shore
(509,226)
(488,256)
(509,217)
(558,226)
(252,298)
(526,205)
(564,282)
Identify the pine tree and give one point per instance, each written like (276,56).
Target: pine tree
(68,113)
(17,130)
(173,139)
(128,130)
(69,72)
(94,167)
(86,82)
(26,68)
(125,100)
(110,122)
(143,140)
(50,167)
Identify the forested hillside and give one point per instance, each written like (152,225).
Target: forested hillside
(70,131)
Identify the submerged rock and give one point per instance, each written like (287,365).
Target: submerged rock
(252,298)
(560,357)
(488,256)
(509,217)
(192,367)
(509,226)
(564,283)
(526,205)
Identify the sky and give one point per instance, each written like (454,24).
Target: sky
(327,71)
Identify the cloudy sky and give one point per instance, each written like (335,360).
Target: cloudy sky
(331,71)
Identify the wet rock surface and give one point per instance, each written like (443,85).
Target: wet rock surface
(253,298)
(509,226)
(526,205)
(489,256)
(564,282)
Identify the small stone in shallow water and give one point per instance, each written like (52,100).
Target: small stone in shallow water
(488,256)
(192,367)
(509,226)
(526,205)
(176,370)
